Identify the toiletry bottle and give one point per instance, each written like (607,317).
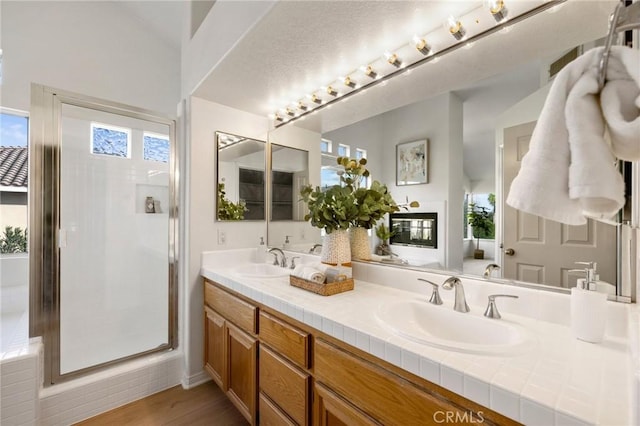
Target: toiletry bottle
(588,307)
(261,251)
(287,243)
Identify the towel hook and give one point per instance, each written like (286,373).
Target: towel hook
(623,18)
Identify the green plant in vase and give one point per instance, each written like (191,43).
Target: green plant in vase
(383,233)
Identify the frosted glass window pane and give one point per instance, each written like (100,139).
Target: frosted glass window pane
(156,148)
(108,140)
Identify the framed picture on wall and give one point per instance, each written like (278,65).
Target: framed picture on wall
(412,162)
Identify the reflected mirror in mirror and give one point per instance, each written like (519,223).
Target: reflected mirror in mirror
(473,125)
(289,173)
(241,178)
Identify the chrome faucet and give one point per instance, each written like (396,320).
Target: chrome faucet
(460,304)
(313,249)
(489,269)
(492,309)
(283,258)
(435,295)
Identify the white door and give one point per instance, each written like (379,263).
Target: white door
(543,251)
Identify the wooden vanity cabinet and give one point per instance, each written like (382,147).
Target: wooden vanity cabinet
(231,347)
(307,377)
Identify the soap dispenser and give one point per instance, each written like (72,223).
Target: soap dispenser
(588,306)
(287,242)
(261,251)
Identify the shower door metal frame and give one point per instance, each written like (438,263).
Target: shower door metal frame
(44,222)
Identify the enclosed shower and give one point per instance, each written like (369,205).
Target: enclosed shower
(103,221)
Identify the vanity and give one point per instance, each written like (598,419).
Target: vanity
(287,356)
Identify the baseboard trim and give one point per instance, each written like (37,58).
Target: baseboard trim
(194,380)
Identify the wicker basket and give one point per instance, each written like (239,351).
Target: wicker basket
(323,289)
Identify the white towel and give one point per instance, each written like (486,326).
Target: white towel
(569,172)
(309,273)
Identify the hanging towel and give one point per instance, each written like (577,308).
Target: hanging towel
(570,171)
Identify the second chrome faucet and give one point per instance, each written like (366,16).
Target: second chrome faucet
(460,303)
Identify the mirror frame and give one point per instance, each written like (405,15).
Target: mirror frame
(217,182)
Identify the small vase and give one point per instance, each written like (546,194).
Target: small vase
(360,248)
(336,248)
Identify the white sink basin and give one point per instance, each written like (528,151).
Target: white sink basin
(261,270)
(442,327)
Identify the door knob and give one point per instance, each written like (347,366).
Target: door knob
(509,252)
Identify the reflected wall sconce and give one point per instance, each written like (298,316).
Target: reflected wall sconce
(498,9)
(421,45)
(393,59)
(455,28)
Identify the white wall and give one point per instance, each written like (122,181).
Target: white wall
(93,48)
(223,27)
(438,119)
(201,228)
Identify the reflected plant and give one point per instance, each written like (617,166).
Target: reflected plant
(228,210)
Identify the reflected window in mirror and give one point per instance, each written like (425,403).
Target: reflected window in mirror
(326,146)
(241,178)
(344,150)
(289,173)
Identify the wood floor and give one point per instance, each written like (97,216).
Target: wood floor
(203,405)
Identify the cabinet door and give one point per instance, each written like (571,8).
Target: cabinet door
(241,371)
(214,350)
(332,410)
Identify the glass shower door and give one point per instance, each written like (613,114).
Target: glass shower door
(113,237)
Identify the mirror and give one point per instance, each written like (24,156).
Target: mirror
(241,178)
(468,125)
(289,173)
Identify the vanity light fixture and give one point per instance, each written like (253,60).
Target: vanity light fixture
(498,9)
(393,59)
(348,82)
(369,71)
(421,45)
(517,12)
(455,28)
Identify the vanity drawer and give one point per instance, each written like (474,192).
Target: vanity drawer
(286,339)
(386,397)
(270,414)
(232,308)
(285,385)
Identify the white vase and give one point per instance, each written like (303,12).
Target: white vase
(360,247)
(336,248)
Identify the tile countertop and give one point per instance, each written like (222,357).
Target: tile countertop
(561,381)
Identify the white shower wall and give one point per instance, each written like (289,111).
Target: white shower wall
(114,256)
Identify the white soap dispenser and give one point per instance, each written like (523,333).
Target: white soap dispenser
(287,244)
(588,307)
(261,251)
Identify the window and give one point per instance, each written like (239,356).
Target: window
(325,146)
(155,147)
(14,137)
(110,140)
(344,150)
(361,153)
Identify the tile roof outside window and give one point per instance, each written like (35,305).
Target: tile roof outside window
(14,167)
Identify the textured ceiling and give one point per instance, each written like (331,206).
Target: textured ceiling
(301,46)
